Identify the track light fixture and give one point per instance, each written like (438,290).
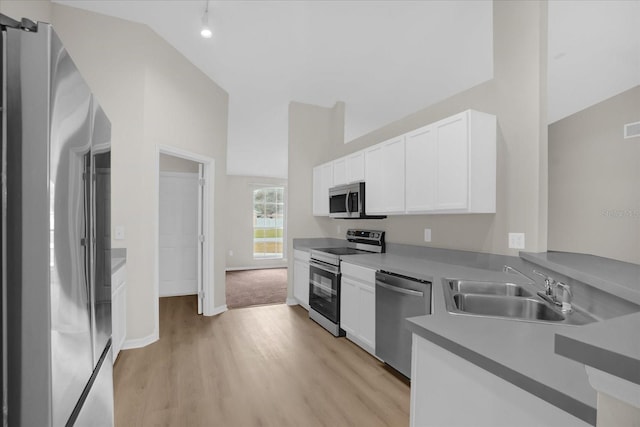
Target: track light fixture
(206,32)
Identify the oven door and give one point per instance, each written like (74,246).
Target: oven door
(324,290)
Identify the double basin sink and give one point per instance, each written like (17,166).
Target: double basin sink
(506,300)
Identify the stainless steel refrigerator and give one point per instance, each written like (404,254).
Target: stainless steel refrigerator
(56,261)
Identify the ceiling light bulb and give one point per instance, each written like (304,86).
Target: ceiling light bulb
(206,32)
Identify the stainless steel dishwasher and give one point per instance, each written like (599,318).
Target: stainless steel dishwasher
(398,297)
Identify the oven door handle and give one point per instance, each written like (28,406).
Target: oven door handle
(325,267)
(400,290)
(323,287)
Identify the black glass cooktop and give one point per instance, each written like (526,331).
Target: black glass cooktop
(343,251)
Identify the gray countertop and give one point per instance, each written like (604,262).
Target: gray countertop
(524,353)
(519,352)
(612,346)
(615,277)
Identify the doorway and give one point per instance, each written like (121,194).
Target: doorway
(183,241)
(178,227)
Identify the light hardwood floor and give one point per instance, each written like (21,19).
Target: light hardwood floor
(258,366)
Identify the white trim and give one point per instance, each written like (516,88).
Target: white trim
(217,310)
(179,174)
(208,254)
(260,267)
(294,301)
(140,342)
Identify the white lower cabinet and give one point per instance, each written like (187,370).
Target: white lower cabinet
(358,305)
(442,383)
(301,277)
(118,309)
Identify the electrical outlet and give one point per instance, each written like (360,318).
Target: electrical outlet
(427,234)
(230,252)
(119,232)
(516,240)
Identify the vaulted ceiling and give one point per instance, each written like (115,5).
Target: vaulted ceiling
(383,59)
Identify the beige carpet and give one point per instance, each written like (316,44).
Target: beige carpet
(256,287)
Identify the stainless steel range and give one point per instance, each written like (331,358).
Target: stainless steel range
(324,276)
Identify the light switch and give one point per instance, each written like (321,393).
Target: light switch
(427,234)
(516,240)
(119,232)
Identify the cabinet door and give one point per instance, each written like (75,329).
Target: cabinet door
(349,306)
(367,317)
(340,171)
(452,184)
(420,173)
(355,167)
(373,168)
(322,181)
(301,282)
(393,175)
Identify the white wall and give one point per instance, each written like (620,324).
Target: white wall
(516,95)
(239,221)
(594,181)
(152,95)
(176,164)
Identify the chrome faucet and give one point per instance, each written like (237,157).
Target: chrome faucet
(565,301)
(548,283)
(509,269)
(550,292)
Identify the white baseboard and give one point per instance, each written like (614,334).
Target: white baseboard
(217,310)
(294,301)
(141,342)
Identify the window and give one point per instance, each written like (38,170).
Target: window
(268,222)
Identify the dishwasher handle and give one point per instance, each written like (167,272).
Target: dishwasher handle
(400,290)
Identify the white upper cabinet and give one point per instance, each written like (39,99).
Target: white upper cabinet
(322,181)
(420,172)
(374,180)
(355,167)
(445,167)
(393,175)
(349,169)
(384,177)
(451,165)
(466,163)
(340,171)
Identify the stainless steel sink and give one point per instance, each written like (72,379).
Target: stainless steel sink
(491,305)
(489,288)
(506,300)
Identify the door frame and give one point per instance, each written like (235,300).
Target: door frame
(208,262)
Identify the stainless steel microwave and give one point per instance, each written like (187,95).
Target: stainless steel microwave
(348,201)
